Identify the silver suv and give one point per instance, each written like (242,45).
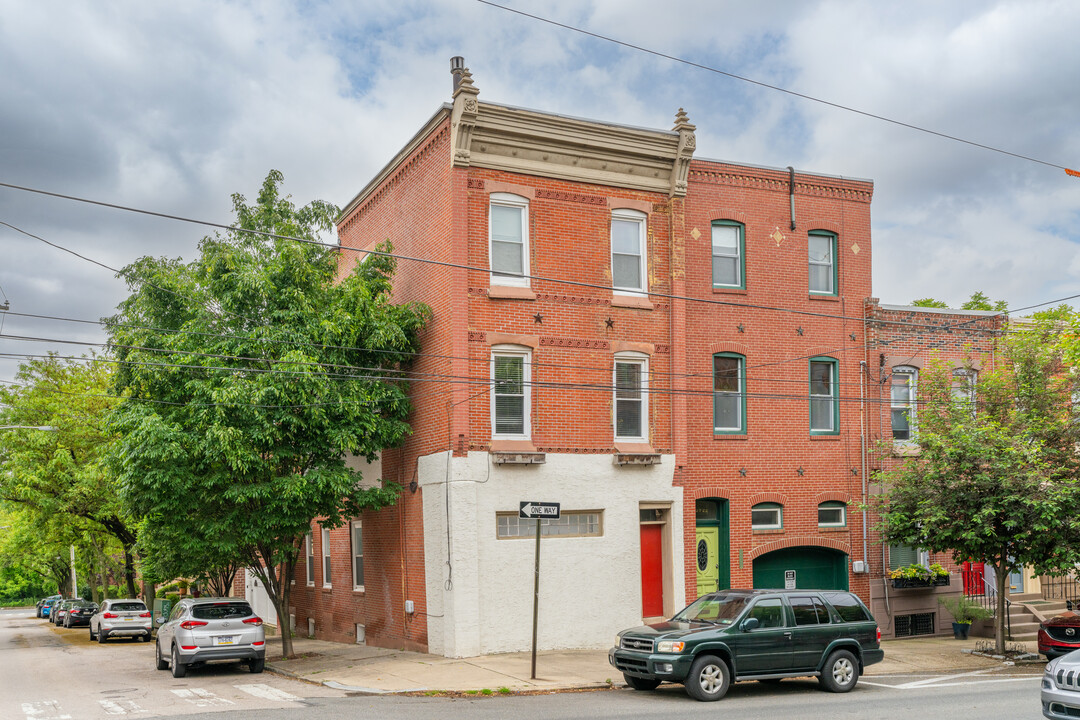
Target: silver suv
(120,618)
(200,630)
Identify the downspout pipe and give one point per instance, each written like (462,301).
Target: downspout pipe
(791,194)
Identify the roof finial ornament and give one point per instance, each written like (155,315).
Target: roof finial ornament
(682,121)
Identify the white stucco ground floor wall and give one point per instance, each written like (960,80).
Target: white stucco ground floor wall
(480,587)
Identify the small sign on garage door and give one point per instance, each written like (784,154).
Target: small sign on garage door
(789,579)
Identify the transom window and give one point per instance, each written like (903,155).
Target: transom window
(631,397)
(727,254)
(628,261)
(832,513)
(765,516)
(509,239)
(822,251)
(572,523)
(903,403)
(510,404)
(729,393)
(823,397)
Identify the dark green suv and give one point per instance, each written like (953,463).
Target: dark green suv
(752,635)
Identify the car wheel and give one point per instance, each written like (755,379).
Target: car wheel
(641,683)
(144,638)
(101,636)
(162,664)
(709,679)
(178,668)
(256,666)
(841,672)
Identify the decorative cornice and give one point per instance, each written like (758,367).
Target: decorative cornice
(764,179)
(523,141)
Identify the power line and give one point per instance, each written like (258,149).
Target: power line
(777,88)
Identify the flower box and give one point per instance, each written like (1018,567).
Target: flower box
(910,583)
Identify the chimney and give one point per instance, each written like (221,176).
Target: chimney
(457,67)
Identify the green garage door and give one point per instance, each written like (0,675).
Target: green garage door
(815,568)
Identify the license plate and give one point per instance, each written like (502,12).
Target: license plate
(225,640)
(128,619)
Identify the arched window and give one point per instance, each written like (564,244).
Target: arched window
(902,403)
(824,405)
(729,394)
(728,259)
(832,513)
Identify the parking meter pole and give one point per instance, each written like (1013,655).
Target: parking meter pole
(536,596)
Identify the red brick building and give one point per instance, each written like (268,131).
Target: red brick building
(672,348)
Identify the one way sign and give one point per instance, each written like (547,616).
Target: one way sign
(533,510)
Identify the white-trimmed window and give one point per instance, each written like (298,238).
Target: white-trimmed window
(902,403)
(508,242)
(822,262)
(629,265)
(767,516)
(832,513)
(727,254)
(310,558)
(326,557)
(963,386)
(357,554)
(510,392)
(571,523)
(632,396)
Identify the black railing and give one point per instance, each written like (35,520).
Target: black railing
(1062,587)
(981,592)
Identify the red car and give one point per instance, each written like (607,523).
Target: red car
(1059,635)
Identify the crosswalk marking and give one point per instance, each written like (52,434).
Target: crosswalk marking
(44,710)
(120,707)
(200,697)
(266,692)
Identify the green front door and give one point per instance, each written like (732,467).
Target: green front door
(811,568)
(711,548)
(708,562)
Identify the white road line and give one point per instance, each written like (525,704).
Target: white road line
(200,697)
(44,710)
(120,707)
(942,678)
(266,692)
(922,685)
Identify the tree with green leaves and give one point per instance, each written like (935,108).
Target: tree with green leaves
(995,478)
(63,470)
(979,301)
(929,302)
(249,375)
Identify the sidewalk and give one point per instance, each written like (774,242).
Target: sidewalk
(363,669)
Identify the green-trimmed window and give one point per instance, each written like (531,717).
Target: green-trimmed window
(728,259)
(824,405)
(822,256)
(729,394)
(767,516)
(832,513)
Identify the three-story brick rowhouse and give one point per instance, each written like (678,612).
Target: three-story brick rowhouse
(669,347)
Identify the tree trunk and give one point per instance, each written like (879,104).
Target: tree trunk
(1000,612)
(129,571)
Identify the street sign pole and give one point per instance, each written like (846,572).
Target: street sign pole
(536,597)
(537,511)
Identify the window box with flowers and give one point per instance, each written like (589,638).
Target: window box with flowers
(919,576)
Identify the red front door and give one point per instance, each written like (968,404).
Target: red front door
(652,571)
(974,578)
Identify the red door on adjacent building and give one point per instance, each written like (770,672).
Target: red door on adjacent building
(974,578)
(652,571)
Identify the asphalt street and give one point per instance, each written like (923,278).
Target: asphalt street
(57,674)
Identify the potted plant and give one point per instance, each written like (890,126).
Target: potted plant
(964,612)
(919,576)
(939,575)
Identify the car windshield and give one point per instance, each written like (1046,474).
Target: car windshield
(221,611)
(721,608)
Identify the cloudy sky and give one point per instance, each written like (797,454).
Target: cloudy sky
(173,107)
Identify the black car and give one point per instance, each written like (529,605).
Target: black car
(737,635)
(79,613)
